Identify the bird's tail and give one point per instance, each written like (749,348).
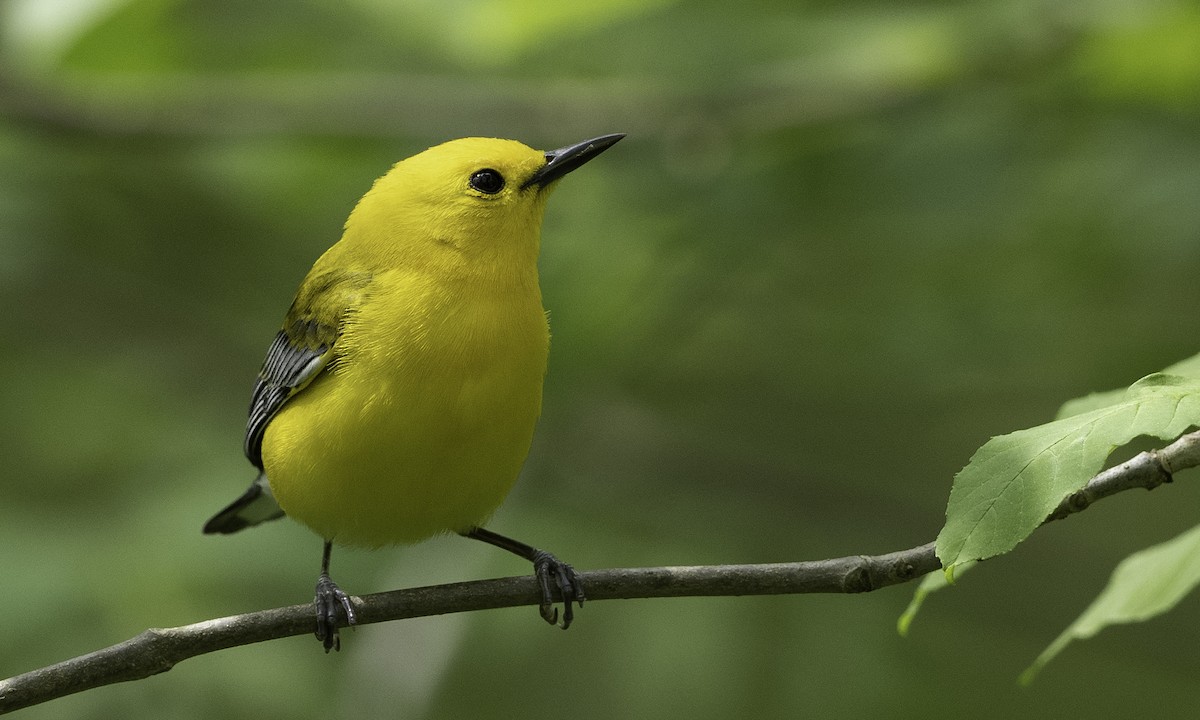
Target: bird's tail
(256,505)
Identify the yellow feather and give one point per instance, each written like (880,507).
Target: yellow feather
(425,416)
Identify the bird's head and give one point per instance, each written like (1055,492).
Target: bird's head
(469,205)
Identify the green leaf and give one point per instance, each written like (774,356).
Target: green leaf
(1094,401)
(930,584)
(1145,584)
(1187,368)
(1013,483)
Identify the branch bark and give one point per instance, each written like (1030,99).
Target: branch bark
(159,649)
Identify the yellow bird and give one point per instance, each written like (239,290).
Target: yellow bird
(399,399)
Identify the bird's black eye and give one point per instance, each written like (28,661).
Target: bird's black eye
(487,181)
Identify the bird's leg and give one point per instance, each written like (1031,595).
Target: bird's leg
(547,569)
(329,598)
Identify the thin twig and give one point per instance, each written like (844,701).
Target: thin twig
(158,650)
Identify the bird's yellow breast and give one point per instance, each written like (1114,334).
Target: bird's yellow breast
(423,421)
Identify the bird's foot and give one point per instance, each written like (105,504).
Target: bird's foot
(329,598)
(551,572)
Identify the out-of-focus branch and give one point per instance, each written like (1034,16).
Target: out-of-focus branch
(158,650)
(399,105)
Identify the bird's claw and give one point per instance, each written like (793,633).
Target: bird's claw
(329,598)
(549,571)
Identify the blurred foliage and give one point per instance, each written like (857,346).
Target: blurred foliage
(1144,585)
(844,244)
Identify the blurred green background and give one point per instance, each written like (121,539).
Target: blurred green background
(843,244)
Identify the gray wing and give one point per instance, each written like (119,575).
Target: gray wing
(297,355)
(288,368)
(303,348)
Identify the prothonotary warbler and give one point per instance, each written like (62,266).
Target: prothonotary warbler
(399,399)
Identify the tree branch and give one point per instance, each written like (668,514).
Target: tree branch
(158,650)
(371,105)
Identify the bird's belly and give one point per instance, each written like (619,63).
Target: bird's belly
(401,445)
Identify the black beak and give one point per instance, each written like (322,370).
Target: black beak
(563,160)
